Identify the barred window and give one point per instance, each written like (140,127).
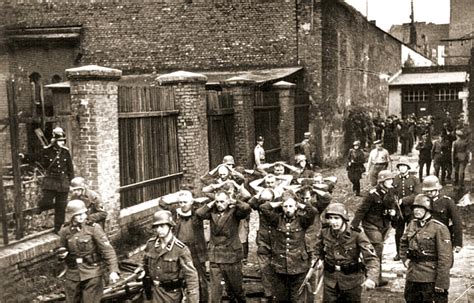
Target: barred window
(415,95)
(447,94)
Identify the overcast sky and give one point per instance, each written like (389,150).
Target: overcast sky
(389,12)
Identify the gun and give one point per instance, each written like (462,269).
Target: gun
(147,281)
(308,276)
(124,282)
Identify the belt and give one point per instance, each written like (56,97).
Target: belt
(170,285)
(383,163)
(345,269)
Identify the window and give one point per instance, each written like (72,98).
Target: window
(415,95)
(447,94)
(35,81)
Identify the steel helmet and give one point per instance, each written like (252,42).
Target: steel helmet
(163,217)
(78,183)
(431,183)
(74,207)
(403,161)
(228,160)
(422,200)
(385,175)
(337,209)
(299,158)
(59,134)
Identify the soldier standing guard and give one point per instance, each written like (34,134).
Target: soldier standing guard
(426,252)
(93,201)
(168,265)
(339,248)
(85,248)
(57,162)
(306,148)
(259,153)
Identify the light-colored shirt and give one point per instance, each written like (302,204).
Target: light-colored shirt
(377,156)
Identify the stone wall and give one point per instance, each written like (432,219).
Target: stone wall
(461,24)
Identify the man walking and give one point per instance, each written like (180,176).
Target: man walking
(379,159)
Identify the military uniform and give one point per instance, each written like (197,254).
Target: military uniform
(343,271)
(171,269)
(190,230)
(429,249)
(373,213)
(290,257)
(89,253)
(225,249)
(444,210)
(93,201)
(404,186)
(59,169)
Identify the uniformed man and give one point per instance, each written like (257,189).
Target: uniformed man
(86,252)
(339,248)
(190,230)
(426,252)
(444,210)
(303,168)
(225,247)
(376,213)
(290,257)
(306,148)
(79,190)
(404,185)
(461,157)
(379,159)
(168,265)
(59,170)
(259,153)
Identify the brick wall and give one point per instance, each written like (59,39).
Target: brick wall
(471,115)
(461,24)
(356,59)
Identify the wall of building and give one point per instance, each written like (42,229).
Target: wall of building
(395,102)
(462,24)
(357,60)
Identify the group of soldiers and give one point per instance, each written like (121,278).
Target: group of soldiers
(300,230)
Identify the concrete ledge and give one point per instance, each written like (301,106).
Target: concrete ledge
(29,249)
(93,72)
(181,77)
(137,212)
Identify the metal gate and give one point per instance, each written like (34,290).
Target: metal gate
(220,121)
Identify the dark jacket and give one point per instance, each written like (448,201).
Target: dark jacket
(355,163)
(425,147)
(94,204)
(374,208)
(445,210)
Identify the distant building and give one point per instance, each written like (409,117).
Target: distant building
(461,32)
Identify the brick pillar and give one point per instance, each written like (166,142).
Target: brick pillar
(190,98)
(94,103)
(243,91)
(286,96)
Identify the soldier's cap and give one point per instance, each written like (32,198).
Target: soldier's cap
(260,139)
(307,134)
(405,163)
(228,160)
(459,133)
(377,141)
(356,142)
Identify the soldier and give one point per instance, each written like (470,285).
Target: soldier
(424,158)
(168,265)
(355,166)
(338,247)
(306,148)
(441,155)
(405,185)
(190,230)
(303,168)
(461,156)
(225,248)
(376,213)
(379,159)
(290,257)
(85,250)
(426,252)
(57,162)
(259,153)
(93,201)
(444,210)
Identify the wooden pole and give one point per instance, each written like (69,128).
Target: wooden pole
(14,142)
(3,207)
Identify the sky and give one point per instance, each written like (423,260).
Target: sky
(389,12)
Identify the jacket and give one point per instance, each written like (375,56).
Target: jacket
(374,208)
(342,250)
(89,251)
(224,242)
(431,242)
(445,210)
(94,204)
(405,186)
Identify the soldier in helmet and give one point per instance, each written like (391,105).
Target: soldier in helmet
(444,210)
(338,248)
(86,251)
(426,251)
(168,265)
(376,212)
(79,190)
(57,162)
(229,163)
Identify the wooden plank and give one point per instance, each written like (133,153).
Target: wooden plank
(220,112)
(3,207)
(15,149)
(266,107)
(148,114)
(147,182)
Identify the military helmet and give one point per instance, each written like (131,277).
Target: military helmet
(78,183)
(385,175)
(300,158)
(403,161)
(228,160)
(59,134)
(163,217)
(431,183)
(422,200)
(74,207)
(337,209)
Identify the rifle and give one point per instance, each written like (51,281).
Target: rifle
(147,281)
(308,276)
(124,282)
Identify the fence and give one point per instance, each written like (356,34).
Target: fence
(148,143)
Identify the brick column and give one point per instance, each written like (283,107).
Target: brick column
(190,98)
(286,96)
(243,91)
(94,100)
